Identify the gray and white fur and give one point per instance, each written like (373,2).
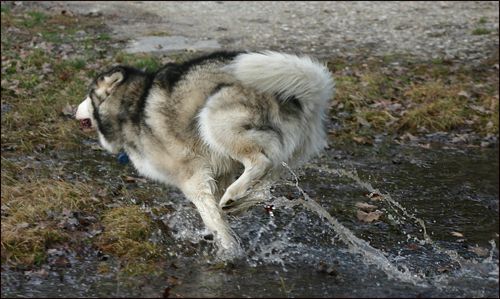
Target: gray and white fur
(193,125)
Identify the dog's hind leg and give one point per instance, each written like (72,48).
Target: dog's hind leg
(199,190)
(256,166)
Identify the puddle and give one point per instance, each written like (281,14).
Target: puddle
(311,243)
(165,44)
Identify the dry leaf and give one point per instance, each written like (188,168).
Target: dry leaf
(362,140)
(480,251)
(363,121)
(479,109)
(365,206)
(173,281)
(22,225)
(409,137)
(369,217)
(457,234)
(69,110)
(375,196)
(444,269)
(464,94)
(130,179)
(412,246)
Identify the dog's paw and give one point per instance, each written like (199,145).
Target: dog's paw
(230,252)
(226,200)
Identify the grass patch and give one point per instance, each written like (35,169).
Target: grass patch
(104,37)
(430,91)
(34,18)
(439,115)
(146,62)
(481,31)
(37,83)
(394,94)
(28,225)
(126,234)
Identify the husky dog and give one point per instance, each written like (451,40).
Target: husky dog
(193,125)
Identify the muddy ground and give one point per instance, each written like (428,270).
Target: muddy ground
(417,88)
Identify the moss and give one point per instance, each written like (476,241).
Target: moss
(481,31)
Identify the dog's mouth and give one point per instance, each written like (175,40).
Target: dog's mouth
(85,124)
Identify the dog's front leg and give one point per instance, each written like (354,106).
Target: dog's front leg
(199,189)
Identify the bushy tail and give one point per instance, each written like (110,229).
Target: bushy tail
(285,75)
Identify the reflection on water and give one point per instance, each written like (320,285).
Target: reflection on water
(305,240)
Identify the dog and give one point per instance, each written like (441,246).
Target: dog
(195,124)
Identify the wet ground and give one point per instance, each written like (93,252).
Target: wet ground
(293,252)
(434,231)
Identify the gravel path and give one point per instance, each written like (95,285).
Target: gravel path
(425,29)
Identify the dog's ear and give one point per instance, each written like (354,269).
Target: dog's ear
(113,78)
(109,81)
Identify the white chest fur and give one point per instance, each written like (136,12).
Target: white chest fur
(148,169)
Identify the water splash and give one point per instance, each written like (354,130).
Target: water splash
(356,245)
(400,212)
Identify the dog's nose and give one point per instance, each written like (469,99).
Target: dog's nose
(83,111)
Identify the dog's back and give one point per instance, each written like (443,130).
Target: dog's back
(276,100)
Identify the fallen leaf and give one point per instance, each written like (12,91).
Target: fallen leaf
(375,196)
(363,121)
(480,251)
(412,246)
(173,281)
(369,217)
(365,206)
(457,234)
(130,179)
(409,137)
(22,225)
(362,140)
(61,262)
(479,109)
(69,110)
(443,269)
(464,94)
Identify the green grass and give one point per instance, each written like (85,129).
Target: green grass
(439,115)
(37,83)
(481,31)
(28,230)
(104,37)
(141,61)
(126,233)
(34,18)
(430,96)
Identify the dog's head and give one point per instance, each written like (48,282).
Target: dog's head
(107,104)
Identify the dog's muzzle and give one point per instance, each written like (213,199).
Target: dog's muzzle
(83,114)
